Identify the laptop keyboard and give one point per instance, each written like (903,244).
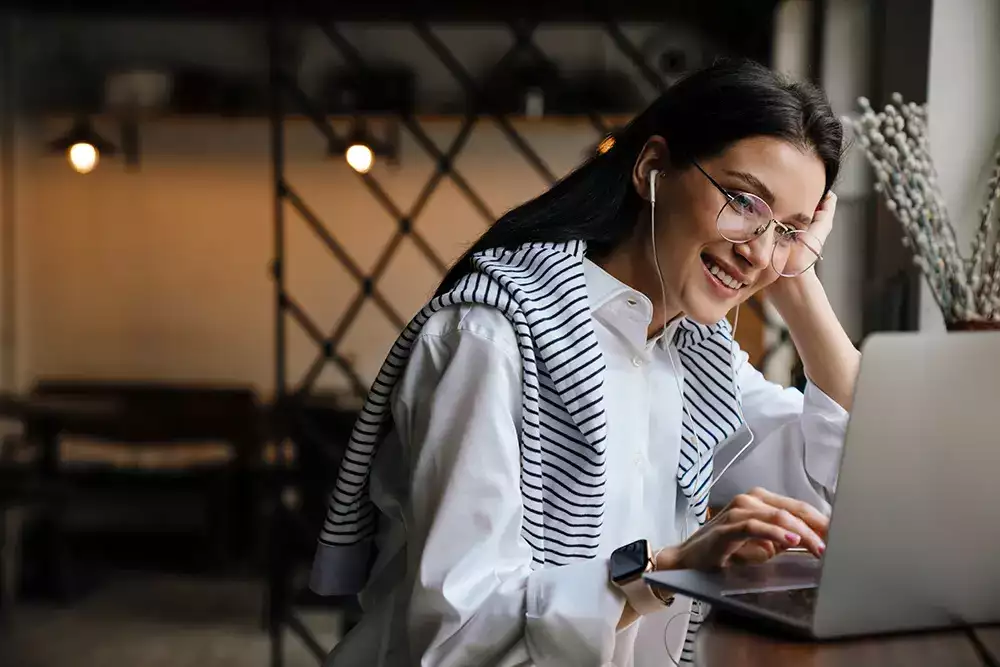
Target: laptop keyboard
(797,604)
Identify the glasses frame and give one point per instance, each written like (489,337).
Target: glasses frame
(782,229)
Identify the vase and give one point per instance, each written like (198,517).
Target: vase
(974,325)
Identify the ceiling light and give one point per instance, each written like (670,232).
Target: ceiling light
(83,146)
(83,157)
(360,157)
(361,147)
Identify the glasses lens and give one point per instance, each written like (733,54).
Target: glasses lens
(795,251)
(743,218)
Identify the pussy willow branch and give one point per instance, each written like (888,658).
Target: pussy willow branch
(988,267)
(897,145)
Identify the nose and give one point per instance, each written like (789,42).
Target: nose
(757,252)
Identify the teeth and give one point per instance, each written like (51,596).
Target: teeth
(724,277)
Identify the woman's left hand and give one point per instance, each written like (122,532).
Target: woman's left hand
(821,226)
(822,222)
(784,292)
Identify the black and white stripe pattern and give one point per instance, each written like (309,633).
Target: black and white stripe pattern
(540,288)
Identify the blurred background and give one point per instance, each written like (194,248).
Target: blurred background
(215,218)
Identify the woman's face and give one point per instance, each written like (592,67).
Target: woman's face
(690,249)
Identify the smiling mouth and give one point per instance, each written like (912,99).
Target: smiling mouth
(720,275)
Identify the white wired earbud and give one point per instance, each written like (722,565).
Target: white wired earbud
(696,608)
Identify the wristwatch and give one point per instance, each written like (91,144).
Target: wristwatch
(627,566)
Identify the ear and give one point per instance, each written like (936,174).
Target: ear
(654,155)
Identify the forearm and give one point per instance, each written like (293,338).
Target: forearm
(829,357)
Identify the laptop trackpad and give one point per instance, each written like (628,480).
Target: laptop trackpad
(786,572)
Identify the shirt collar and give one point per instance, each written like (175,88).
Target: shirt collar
(602,287)
(604,290)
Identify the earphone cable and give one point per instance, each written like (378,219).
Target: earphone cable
(689,514)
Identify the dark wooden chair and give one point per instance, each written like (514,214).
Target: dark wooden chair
(159,438)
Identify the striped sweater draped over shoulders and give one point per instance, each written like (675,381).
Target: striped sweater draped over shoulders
(540,289)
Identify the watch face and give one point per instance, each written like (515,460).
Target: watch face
(629,561)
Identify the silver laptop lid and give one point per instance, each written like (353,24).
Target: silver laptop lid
(915,533)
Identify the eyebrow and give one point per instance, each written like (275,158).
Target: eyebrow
(765,193)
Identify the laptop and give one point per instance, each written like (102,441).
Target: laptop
(914,540)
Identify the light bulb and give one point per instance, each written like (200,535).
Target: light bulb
(360,157)
(83,157)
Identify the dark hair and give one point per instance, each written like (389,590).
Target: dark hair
(699,117)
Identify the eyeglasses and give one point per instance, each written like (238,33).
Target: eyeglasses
(745,217)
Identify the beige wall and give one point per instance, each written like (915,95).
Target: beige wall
(163,273)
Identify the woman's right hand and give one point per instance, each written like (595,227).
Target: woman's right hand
(753,528)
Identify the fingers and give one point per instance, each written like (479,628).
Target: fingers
(810,539)
(822,222)
(755,551)
(828,203)
(804,521)
(827,207)
(755,528)
(803,510)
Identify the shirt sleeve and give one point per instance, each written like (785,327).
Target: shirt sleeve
(475,598)
(797,443)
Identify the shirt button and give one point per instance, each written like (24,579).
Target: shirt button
(632,302)
(636,361)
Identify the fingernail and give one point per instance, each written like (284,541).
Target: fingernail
(822,547)
(792,538)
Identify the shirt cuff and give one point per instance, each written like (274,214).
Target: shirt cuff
(818,403)
(824,426)
(572,614)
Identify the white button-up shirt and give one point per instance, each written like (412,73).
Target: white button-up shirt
(453,584)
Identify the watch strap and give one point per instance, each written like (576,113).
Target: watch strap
(641,597)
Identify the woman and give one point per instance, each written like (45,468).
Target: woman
(557,407)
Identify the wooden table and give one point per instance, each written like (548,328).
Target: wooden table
(721,644)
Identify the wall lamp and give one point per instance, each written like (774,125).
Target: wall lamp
(83,146)
(361,147)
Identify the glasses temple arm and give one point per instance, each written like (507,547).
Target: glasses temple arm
(721,189)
